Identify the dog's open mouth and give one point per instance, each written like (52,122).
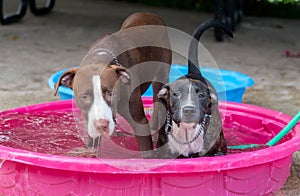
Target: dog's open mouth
(187,133)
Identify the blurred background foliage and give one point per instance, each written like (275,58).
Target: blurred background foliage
(269,8)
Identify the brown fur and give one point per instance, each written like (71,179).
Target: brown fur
(119,43)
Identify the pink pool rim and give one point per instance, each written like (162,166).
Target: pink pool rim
(259,172)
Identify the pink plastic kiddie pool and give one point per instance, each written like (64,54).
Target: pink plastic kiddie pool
(35,139)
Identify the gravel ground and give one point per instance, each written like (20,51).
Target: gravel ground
(37,47)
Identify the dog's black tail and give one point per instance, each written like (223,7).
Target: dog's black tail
(193,64)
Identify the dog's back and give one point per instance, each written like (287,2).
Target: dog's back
(142,19)
(142,35)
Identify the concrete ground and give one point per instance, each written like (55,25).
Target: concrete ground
(37,47)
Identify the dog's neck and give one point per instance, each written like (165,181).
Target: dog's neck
(105,51)
(181,147)
(168,126)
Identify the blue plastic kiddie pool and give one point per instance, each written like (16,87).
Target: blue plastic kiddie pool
(230,85)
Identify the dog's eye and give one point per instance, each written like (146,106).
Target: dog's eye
(109,93)
(108,96)
(85,98)
(176,95)
(199,94)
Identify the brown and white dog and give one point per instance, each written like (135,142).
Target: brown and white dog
(193,126)
(109,79)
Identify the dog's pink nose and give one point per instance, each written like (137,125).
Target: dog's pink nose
(102,125)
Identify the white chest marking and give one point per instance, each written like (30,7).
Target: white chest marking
(185,133)
(99,109)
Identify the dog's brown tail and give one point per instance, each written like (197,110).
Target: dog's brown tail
(193,64)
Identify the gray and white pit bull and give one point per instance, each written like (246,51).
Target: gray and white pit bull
(192,126)
(108,80)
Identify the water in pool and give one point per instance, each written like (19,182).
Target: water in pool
(59,134)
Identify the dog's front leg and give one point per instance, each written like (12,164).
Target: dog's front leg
(161,78)
(133,112)
(157,119)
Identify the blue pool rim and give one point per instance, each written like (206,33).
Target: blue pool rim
(232,89)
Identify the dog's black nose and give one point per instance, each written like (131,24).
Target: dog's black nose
(189,110)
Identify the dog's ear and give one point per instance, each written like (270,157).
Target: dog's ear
(213,94)
(164,92)
(66,79)
(122,72)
